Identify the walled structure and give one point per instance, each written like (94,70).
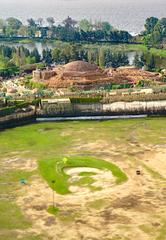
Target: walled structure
(84,75)
(41,75)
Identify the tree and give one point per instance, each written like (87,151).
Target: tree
(115,59)
(13,24)
(30,60)
(47,56)
(23,31)
(2,23)
(93,56)
(85,25)
(7,68)
(40,22)
(97,25)
(138,62)
(19,57)
(99,35)
(159,32)
(36,55)
(56,55)
(69,22)
(50,21)
(6,51)
(106,27)
(2,26)
(155,31)
(151,65)
(31,22)
(101,57)
(150,24)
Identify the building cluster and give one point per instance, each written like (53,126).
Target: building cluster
(88,76)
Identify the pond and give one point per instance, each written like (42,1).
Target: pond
(50,45)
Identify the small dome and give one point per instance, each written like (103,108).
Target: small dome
(80,66)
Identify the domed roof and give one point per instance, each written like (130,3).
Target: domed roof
(80,66)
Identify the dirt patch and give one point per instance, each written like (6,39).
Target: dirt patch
(108,216)
(128,202)
(124,208)
(50,221)
(20,163)
(156,161)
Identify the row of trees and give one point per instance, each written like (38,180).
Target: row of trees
(20,55)
(69,30)
(145,60)
(155,31)
(103,56)
(84,30)
(11,59)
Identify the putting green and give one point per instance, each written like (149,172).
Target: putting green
(53,172)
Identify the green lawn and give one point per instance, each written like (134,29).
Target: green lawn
(16,218)
(53,169)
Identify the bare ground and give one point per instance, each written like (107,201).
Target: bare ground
(133,210)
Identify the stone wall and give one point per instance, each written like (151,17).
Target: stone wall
(39,75)
(69,109)
(17,119)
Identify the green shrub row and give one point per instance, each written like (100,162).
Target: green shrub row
(85,99)
(11,103)
(135,97)
(9,110)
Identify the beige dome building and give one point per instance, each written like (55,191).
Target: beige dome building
(79,70)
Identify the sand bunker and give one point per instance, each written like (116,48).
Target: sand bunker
(102,179)
(77,170)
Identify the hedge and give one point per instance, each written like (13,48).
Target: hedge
(36,102)
(9,110)
(85,100)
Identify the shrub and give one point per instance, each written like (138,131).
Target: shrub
(85,100)
(33,85)
(9,110)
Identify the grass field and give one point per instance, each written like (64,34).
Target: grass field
(107,202)
(53,169)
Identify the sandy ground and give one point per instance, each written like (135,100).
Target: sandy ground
(132,210)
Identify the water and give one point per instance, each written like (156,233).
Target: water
(41,46)
(124,14)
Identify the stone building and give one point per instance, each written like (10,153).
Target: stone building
(41,75)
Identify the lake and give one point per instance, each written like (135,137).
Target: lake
(124,14)
(51,45)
